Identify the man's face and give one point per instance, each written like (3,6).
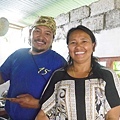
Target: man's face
(41,39)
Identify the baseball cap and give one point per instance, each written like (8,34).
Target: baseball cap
(46,21)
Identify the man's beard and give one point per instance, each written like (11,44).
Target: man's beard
(37,50)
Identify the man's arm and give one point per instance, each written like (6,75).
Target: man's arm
(1,80)
(26,101)
(113,114)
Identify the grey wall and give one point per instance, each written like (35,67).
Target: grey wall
(102,17)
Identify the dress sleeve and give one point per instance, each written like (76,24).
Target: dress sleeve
(49,89)
(112,88)
(48,98)
(47,92)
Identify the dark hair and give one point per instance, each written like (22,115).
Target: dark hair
(89,32)
(83,28)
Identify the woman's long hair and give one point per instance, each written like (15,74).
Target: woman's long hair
(89,32)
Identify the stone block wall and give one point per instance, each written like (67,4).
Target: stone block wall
(98,16)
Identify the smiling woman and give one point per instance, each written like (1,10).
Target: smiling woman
(84,90)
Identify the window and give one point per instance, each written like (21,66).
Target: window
(111,62)
(116,67)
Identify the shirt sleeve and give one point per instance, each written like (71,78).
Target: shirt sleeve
(5,68)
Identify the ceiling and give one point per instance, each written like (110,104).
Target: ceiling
(21,13)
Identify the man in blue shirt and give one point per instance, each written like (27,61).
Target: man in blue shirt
(29,70)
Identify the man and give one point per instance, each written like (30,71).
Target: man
(29,70)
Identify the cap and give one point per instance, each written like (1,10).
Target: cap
(46,21)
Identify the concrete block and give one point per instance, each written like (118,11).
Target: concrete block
(74,24)
(60,34)
(79,13)
(95,23)
(62,19)
(62,31)
(112,19)
(102,6)
(117,4)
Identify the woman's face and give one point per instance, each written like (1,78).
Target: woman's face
(80,46)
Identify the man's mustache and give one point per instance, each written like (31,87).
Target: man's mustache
(39,40)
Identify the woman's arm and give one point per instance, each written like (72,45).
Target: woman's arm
(113,95)
(113,114)
(41,116)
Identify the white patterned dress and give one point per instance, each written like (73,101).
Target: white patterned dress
(90,98)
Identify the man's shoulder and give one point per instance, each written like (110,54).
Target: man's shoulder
(19,52)
(22,50)
(56,54)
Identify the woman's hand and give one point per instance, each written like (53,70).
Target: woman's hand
(41,116)
(113,114)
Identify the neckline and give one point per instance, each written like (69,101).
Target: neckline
(40,70)
(74,78)
(82,75)
(40,54)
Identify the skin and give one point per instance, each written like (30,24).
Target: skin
(1,80)
(26,101)
(41,116)
(113,114)
(41,38)
(80,48)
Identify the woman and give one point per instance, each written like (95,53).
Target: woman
(84,90)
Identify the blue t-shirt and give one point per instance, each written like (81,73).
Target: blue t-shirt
(28,74)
